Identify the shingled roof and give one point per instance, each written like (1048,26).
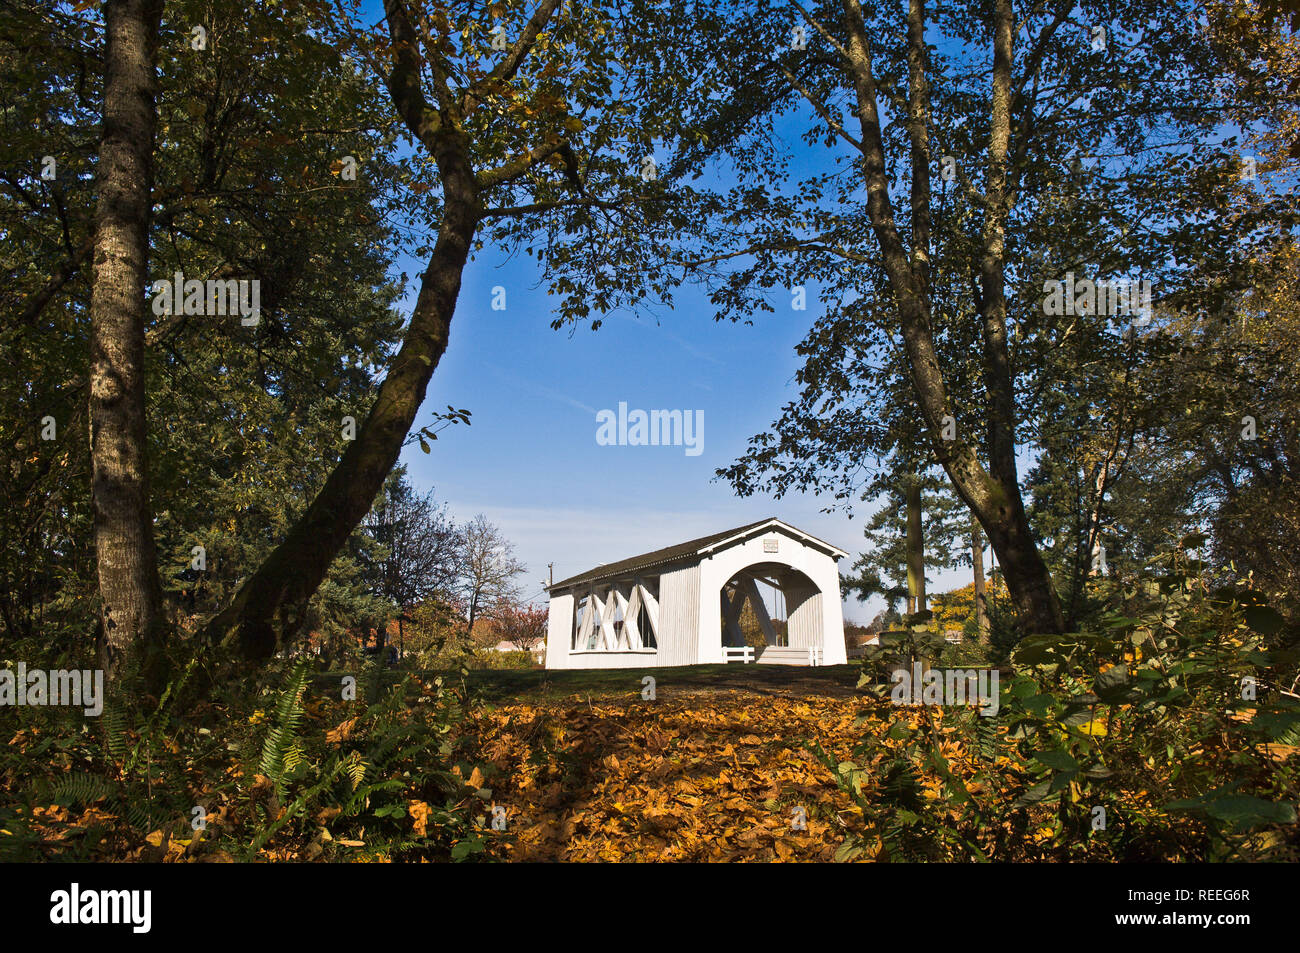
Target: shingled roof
(672,554)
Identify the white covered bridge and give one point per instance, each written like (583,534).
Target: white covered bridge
(683,605)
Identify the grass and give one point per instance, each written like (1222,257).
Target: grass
(834,681)
(501,686)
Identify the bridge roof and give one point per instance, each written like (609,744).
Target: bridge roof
(691,548)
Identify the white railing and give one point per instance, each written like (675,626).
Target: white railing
(781,655)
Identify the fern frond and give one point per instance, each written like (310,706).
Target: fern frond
(356,768)
(115,732)
(282,735)
(80,790)
(294,809)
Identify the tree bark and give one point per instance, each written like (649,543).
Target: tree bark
(129,588)
(1094,517)
(473,617)
(977,563)
(915,549)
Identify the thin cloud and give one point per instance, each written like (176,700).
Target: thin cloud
(540,391)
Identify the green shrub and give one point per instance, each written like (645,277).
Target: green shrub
(276,767)
(504,660)
(1135,738)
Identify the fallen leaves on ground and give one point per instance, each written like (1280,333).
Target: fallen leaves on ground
(721,776)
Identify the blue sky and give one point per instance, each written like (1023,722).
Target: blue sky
(530,460)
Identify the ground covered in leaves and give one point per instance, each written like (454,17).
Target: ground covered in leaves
(692,775)
(717,763)
(725,763)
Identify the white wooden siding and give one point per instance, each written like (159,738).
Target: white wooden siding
(679,602)
(804,610)
(559,631)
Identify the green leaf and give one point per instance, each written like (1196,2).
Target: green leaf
(462,849)
(1281,727)
(1023,687)
(1076,718)
(1241,811)
(1039,704)
(1263,619)
(1114,686)
(1034,794)
(1060,760)
(1061,780)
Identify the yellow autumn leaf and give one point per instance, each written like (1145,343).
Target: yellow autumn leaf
(419,812)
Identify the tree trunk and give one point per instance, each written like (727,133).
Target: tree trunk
(977,562)
(915,549)
(271,603)
(473,614)
(1095,549)
(993,495)
(129,588)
